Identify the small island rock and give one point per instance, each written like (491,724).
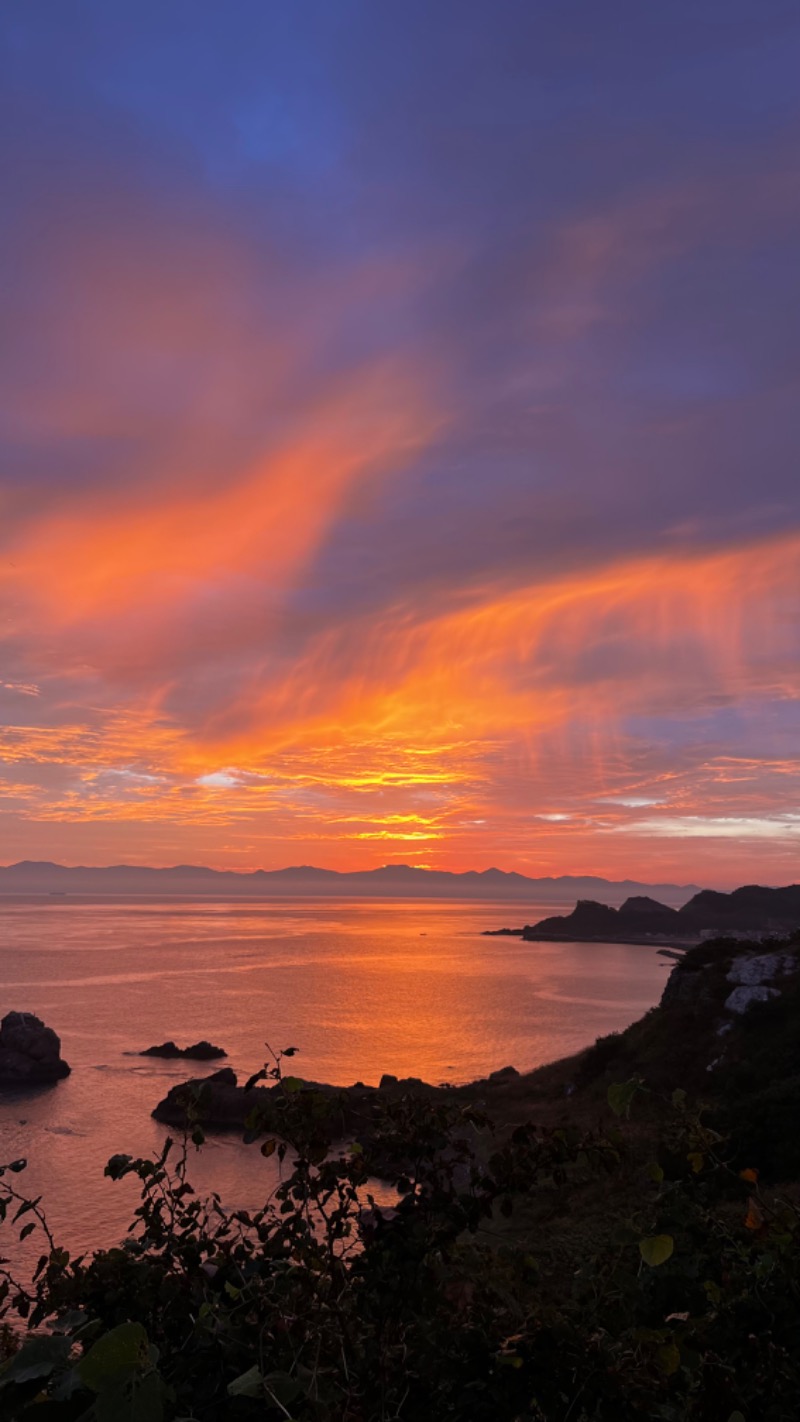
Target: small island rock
(200,1052)
(30,1052)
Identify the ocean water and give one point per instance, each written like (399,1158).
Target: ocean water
(360,987)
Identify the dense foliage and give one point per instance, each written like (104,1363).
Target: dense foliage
(680,1301)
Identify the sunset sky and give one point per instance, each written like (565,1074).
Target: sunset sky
(399,443)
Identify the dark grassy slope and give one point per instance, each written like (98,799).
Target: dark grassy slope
(693,1036)
(745,1065)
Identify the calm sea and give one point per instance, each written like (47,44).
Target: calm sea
(360,987)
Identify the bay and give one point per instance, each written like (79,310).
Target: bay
(360,987)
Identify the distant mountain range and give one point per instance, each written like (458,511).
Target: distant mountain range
(391,881)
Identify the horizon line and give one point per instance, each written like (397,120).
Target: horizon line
(341,873)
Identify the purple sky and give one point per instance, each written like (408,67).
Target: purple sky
(399,450)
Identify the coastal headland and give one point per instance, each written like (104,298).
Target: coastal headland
(751,912)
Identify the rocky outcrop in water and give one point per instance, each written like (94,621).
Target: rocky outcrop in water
(200,1052)
(219,1101)
(30,1052)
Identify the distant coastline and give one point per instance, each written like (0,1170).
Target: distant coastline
(390,881)
(752,911)
(635,940)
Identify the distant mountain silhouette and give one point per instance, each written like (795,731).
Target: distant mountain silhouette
(390,881)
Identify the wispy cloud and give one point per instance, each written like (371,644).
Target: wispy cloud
(406,455)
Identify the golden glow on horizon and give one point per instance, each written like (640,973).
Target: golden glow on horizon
(498,731)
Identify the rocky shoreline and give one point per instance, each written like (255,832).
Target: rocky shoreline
(705,1006)
(220,1102)
(641,940)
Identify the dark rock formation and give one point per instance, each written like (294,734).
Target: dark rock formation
(200,1052)
(29,1052)
(502,1076)
(692,985)
(751,911)
(637,918)
(639,906)
(219,1101)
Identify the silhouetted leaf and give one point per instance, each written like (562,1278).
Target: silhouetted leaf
(36,1359)
(669,1358)
(656,1249)
(114,1357)
(620,1095)
(249,1384)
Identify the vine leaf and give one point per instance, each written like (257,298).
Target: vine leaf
(620,1095)
(114,1357)
(656,1249)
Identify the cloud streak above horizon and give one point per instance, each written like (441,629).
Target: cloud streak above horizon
(399,458)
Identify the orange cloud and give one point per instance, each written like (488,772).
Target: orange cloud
(153,553)
(494,730)
(679,630)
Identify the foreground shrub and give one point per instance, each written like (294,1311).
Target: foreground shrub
(323,1307)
